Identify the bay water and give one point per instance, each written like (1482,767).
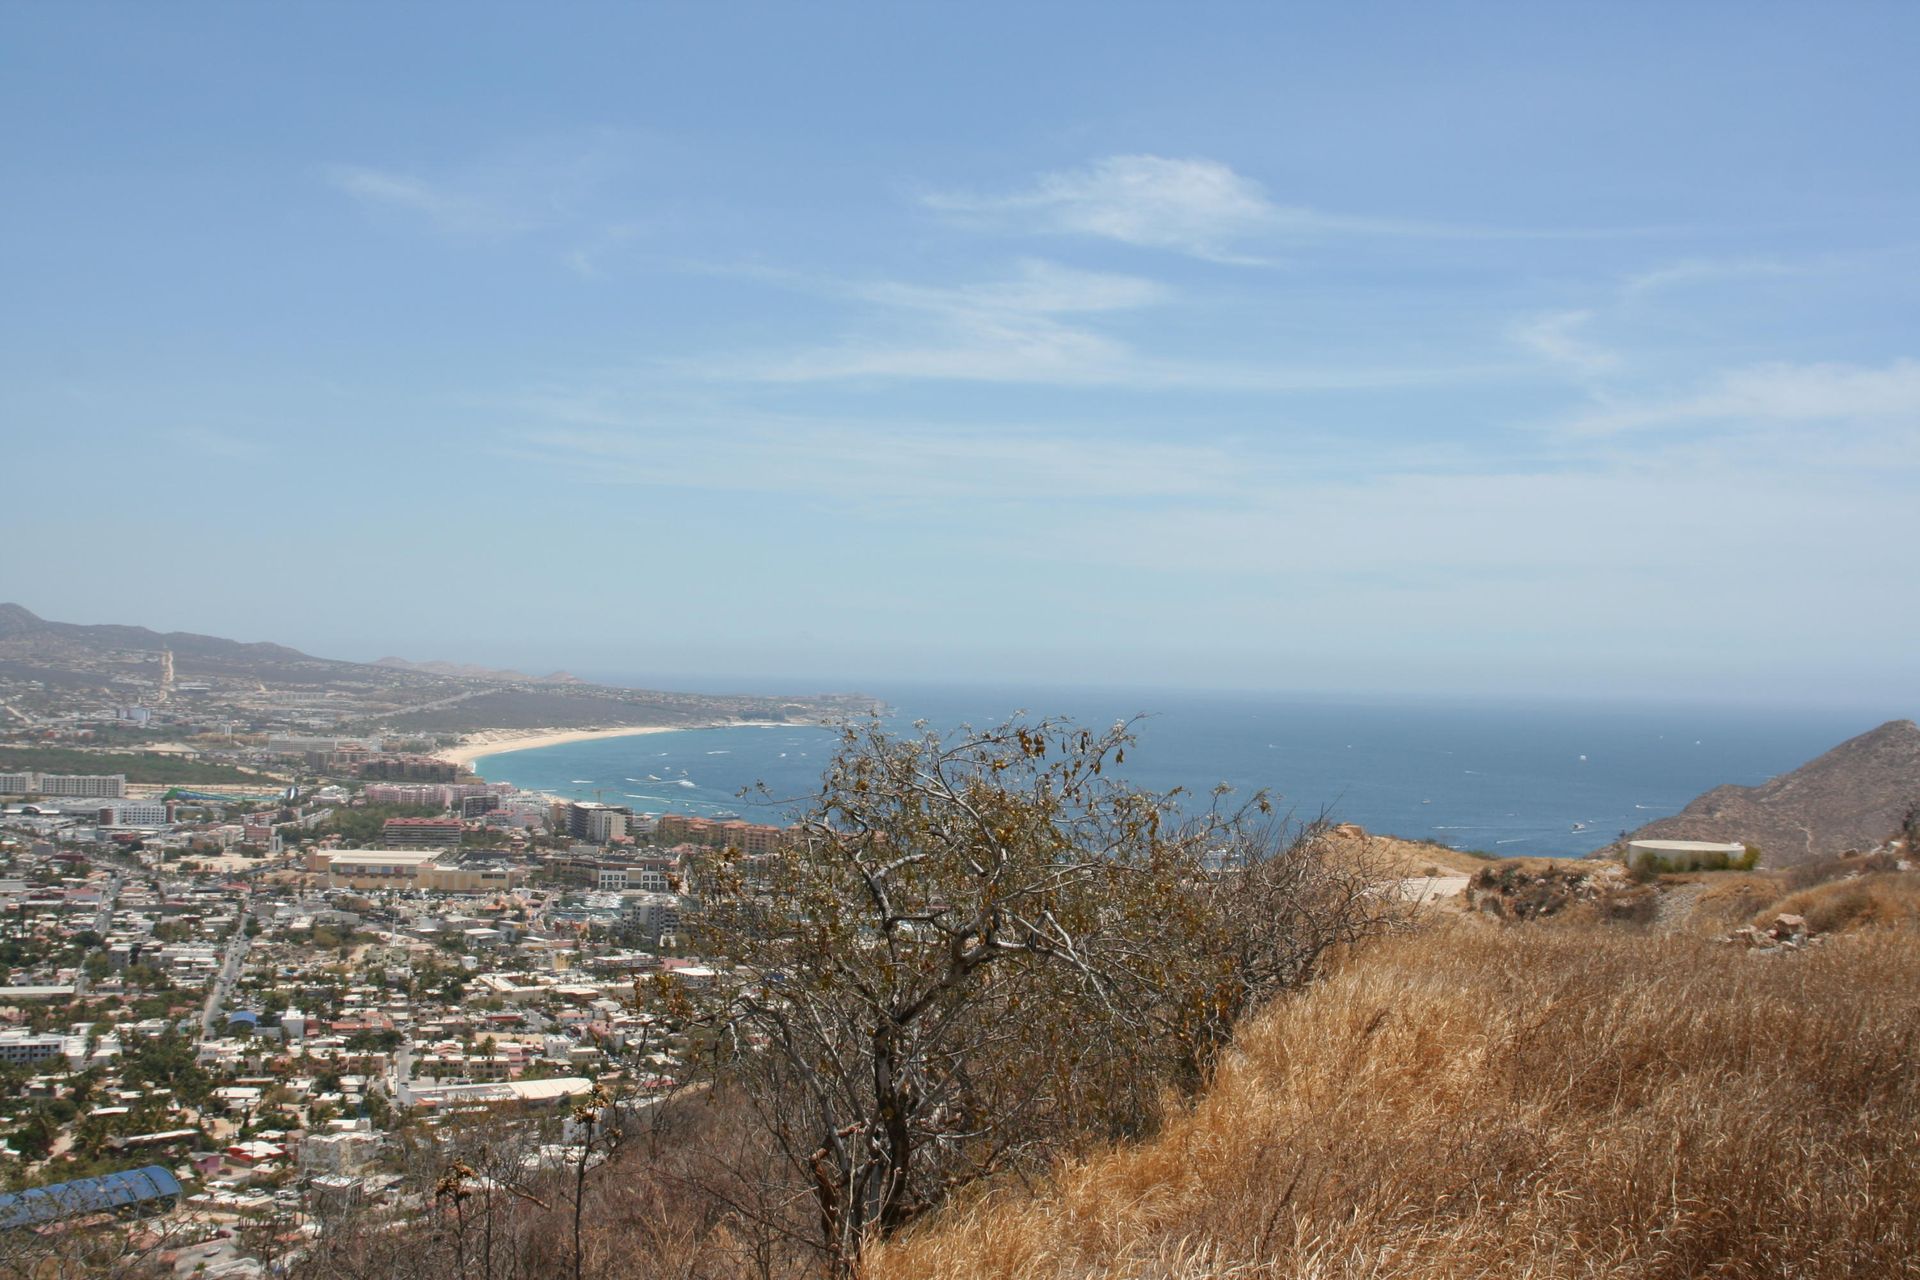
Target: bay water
(1558,779)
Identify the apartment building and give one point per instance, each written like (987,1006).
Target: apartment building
(85,786)
(421,833)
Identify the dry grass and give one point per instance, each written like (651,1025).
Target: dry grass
(1870,901)
(1534,1101)
(1837,895)
(1394,856)
(1730,898)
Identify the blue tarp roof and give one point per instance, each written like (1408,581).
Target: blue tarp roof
(243,1015)
(39,1205)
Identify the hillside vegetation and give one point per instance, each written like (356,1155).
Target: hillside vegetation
(138,766)
(1531,1100)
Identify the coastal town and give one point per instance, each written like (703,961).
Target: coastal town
(1081,641)
(256,963)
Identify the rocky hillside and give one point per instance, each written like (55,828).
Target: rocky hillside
(1851,798)
(26,636)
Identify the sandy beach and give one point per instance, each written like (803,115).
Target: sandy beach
(493,742)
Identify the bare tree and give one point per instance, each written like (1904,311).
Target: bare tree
(980,948)
(102,1245)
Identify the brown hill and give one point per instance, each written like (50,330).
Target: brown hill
(28,638)
(1851,798)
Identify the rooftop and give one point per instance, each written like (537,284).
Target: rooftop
(39,1205)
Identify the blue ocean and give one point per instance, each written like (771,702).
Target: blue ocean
(1541,779)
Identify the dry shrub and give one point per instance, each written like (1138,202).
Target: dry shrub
(1867,901)
(686,1196)
(1540,1102)
(1809,874)
(1732,898)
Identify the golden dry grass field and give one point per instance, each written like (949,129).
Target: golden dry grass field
(1543,1100)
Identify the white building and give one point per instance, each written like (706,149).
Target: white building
(415,1093)
(20,1045)
(135,813)
(101,786)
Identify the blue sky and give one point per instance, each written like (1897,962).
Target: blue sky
(1453,348)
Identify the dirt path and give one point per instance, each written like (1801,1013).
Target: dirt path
(1674,905)
(1422,890)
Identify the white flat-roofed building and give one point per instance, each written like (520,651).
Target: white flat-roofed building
(135,813)
(19,1046)
(411,1093)
(372,868)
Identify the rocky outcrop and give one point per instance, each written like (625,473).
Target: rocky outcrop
(1851,799)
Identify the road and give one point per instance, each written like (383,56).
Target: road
(102,923)
(229,971)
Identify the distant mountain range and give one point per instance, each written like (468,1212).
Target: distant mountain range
(24,635)
(1850,799)
(49,669)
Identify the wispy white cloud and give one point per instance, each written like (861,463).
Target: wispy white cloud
(1773,395)
(519,189)
(1193,206)
(1602,535)
(1045,324)
(1200,207)
(444,206)
(1557,337)
(210,443)
(772,454)
(588,260)
(1037,288)
(1697,271)
(1024,329)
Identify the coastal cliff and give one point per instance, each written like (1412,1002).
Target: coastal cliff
(1852,798)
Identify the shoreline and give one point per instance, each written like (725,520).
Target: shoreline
(476,746)
(500,742)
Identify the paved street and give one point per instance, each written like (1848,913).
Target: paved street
(229,973)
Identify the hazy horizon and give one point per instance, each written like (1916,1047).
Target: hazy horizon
(1451,351)
(1873,707)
